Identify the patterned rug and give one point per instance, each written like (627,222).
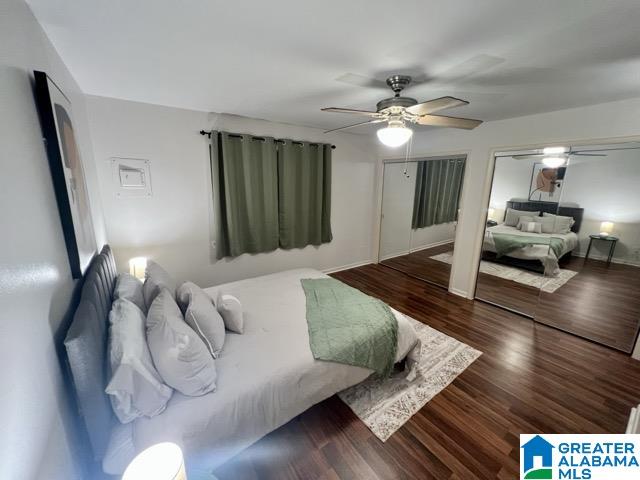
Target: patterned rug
(385,405)
(538,280)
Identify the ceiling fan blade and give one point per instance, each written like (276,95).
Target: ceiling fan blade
(350,110)
(453,122)
(362,81)
(583,154)
(436,105)
(532,156)
(378,120)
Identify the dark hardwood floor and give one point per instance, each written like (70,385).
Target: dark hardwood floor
(530,378)
(601,303)
(420,265)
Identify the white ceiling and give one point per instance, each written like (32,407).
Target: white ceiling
(282,60)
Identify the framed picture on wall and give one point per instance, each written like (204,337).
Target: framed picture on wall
(67,172)
(546,183)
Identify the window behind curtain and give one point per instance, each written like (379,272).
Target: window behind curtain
(437,192)
(269,193)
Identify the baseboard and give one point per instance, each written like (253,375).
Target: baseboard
(633,426)
(431,245)
(346,267)
(603,258)
(394,255)
(459,293)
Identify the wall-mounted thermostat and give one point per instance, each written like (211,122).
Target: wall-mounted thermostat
(131,177)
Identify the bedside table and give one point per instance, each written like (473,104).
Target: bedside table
(612,245)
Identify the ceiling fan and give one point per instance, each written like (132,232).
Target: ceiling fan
(398,110)
(555,157)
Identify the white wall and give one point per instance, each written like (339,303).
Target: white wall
(38,437)
(511,179)
(173,226)
(608,188)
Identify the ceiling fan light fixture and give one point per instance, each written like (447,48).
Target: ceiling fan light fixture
(554,151)
(395,134)
(554,161)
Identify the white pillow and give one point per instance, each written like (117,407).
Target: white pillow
(524,219)
(530,227)
(136,388)
(180,356)
(512,216)
(231,310)
(129,288)
(548,224)
(201,315)
(563,224)
(155,279)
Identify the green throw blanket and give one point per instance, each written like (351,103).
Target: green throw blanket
(347,326)
(506,243)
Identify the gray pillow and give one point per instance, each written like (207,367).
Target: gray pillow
(155,279)
(180,356)
(562,224)
(129,288)
(135,388)
(201,315)
(231,310)
(524,219)
(512,216)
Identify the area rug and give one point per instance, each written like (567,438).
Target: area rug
(384,405)
(538,280)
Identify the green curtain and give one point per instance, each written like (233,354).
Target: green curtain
(304,183)
(244,173)
(437,192)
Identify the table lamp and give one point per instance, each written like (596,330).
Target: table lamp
(137,267)
(162,461)
(606,228)
(491,212)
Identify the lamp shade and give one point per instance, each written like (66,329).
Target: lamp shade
(138,266)
(162,461)
(606,228)
(395,135)
(491,213)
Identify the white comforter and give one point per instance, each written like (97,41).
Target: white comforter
(266,377)
(541,253)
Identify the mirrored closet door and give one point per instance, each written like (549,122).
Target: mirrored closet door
(420,205)
(562,243)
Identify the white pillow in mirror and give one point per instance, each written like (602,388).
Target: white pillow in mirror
(155,279)
(524,219)
(129,288)
(548,224)
(181,357)
(136,388)
(231,310)
(201,315)
(529,227)
(563,224)
(512,216)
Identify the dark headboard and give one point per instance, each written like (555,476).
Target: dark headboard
(86,345)
(549,207)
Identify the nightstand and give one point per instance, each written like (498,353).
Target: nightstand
(612,245)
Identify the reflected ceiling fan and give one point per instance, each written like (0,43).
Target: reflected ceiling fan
(555,157)
(398,110)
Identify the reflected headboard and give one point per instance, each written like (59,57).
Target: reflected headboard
(549,207)
(86,346)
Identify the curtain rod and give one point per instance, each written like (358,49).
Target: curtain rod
(208,133)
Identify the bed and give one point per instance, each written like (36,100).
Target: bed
(539,258)
(266,376)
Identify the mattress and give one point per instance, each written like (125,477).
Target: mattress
(266,377)
(541,253)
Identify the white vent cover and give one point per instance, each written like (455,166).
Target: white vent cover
(131,177)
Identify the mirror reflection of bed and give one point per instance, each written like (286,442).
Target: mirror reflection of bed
(562,243)
(420,203)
